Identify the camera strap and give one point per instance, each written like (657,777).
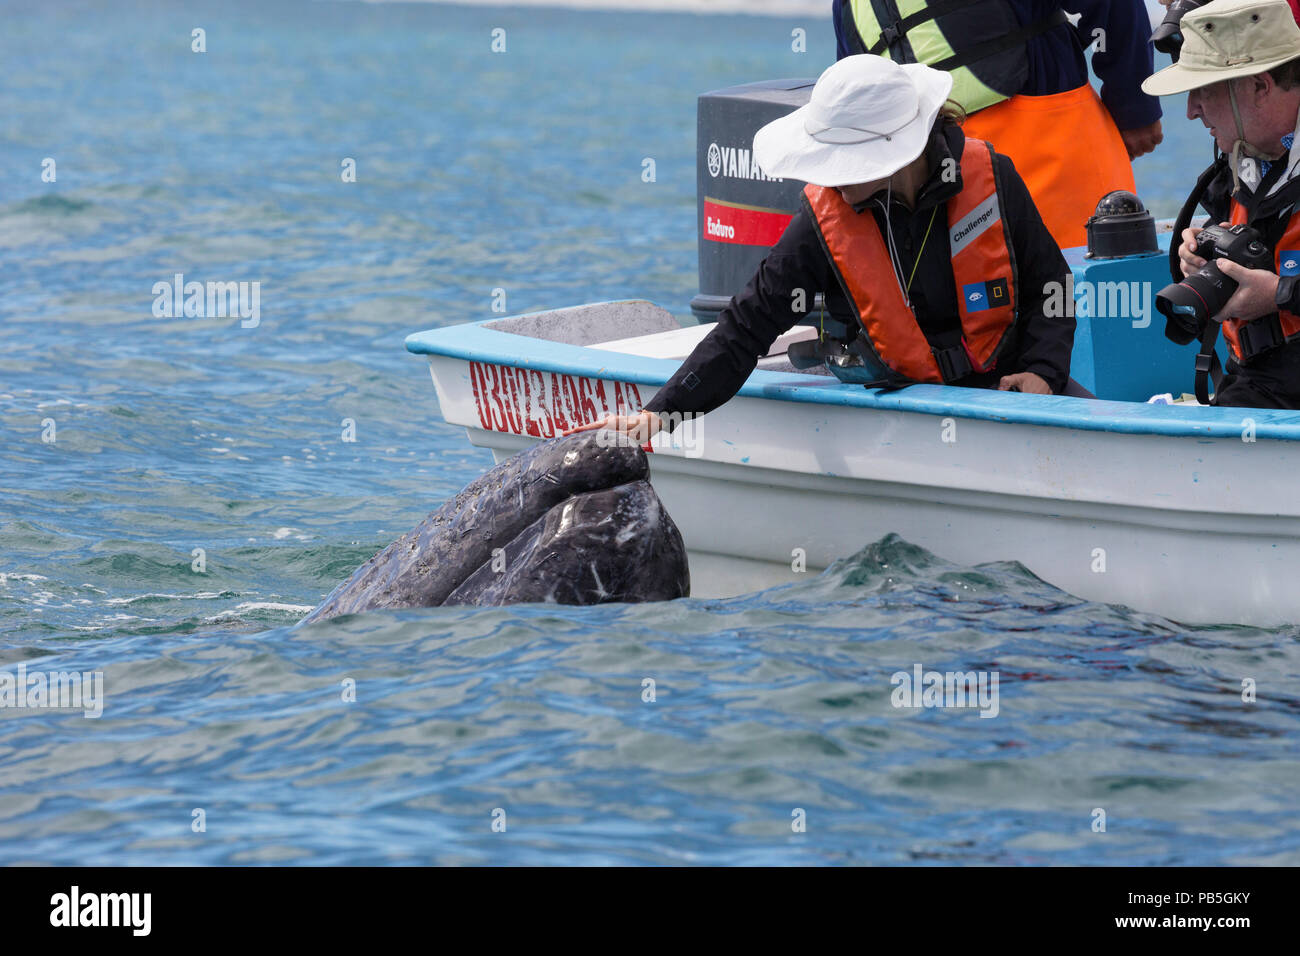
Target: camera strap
(1207,363)
(1189,209)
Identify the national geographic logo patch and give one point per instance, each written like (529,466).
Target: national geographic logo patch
(986,295)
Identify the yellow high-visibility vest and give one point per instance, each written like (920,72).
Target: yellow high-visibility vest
(980,42)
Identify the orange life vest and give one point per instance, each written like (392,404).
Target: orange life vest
(985,278)
(1247,339)
(1042,136)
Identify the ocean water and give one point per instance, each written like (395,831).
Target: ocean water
(198,497)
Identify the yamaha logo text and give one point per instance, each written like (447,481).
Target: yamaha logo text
(736,163)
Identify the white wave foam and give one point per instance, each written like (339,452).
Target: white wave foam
(235,613)
(200,596)
(6,577)
(104,623)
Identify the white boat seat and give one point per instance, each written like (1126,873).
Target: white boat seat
(679,343)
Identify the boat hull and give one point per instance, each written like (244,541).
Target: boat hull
(1137,541)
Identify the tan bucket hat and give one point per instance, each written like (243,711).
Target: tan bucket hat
(1229,38)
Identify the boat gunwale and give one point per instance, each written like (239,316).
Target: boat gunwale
(476,342)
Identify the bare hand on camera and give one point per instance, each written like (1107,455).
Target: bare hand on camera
(1187,257)
(1256,293)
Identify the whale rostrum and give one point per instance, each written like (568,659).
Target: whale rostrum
(572,520)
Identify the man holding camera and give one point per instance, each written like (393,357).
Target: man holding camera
(1240,68)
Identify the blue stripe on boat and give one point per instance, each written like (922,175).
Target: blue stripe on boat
(472,342)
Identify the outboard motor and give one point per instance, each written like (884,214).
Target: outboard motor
(741,211)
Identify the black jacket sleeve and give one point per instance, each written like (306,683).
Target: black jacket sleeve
(1123,58)
(795,270)
(1045,342)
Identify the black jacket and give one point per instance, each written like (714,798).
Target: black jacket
(1271,379)
(751,322)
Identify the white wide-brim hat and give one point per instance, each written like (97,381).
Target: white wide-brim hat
(868,118)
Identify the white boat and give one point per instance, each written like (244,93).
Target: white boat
(1183,511)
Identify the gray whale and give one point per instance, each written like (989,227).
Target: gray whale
(575,521)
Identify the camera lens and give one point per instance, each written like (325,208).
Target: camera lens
(1189,304)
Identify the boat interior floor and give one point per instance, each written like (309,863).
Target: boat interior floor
(638,327)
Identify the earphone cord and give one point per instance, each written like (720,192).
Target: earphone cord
(924,240)
(894,258)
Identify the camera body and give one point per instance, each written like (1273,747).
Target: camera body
(1200,297)
(1168,36)
(1242,244)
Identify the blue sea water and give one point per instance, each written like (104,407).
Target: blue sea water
(477,171)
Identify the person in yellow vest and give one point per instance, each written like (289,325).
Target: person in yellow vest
(925,242)
(1019,73)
